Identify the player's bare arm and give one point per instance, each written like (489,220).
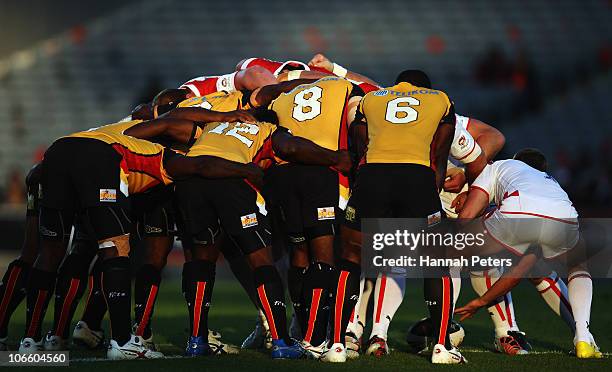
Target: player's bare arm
(300,74)
(440,147)
(502,286)
(301,150)
(476,202)
(253,78)
(212,167)
(200,114)
(489,138)
(177,130)
(263,96)
(321,61)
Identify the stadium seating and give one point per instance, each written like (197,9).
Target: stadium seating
(70,83)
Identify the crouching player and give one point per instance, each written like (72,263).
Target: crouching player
(532,210)
(90,174)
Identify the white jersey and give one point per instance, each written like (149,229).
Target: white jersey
(532,209)
(518,189)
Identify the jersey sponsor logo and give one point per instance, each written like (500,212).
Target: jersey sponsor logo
(434,219)
(108,195)
(248,220)
(46,232)
(462,141)
(327,213)
(152,229)
(381,93)
(349,214)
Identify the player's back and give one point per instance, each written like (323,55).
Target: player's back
(402,121)
(240,142)
(218,101)
(517,186)
(316,111)
(114,134)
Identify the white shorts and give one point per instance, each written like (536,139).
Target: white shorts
(226,82)
(518,230)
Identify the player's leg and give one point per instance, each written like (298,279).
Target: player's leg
(88,331)
(201,233)
(554,292)
(13,284)
(356,326)
(388,296)
(296,277)
(319,198)
(70,287)
(508,338)
(247,227)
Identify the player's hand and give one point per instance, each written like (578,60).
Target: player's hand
(255,175)
(240,116)
(345,163)
(319,60)
(470,309)
(455,180)
(457,204)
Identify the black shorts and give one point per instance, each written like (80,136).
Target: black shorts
(155,212)
(207,205)
(81,176)
(392,191)
(80,173)
(308,197)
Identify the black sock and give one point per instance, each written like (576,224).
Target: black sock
(199,281)
(71,284)
(317,286)
(12,291)
(146,286)
(95,308)
(295,284)
(243,272)
(39,292)
(117,289)
(344,297)
(271,296)
(438,293)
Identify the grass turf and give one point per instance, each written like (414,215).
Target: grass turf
(233,316)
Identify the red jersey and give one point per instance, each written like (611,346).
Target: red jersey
(205,85)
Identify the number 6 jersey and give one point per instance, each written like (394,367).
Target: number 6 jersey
(402,121)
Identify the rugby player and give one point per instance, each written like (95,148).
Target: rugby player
(97,187)
(535,211)
(399,157)
(243,220)
(312,196)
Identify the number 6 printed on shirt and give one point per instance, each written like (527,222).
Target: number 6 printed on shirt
(397,114)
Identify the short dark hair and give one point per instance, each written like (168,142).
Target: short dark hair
(414,77)
(532,157)
(263,114)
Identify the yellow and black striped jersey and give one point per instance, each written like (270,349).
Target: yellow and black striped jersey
(402,121)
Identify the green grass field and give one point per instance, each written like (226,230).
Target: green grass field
(234,317)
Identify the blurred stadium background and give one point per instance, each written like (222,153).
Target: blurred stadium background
(537,69)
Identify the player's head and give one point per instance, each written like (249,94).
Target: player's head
(415,77)
(532,157)
(144,111)
(263,114)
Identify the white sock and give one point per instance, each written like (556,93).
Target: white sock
(355,325)
(502,310)
(554,292)
(580,290)
(388,296)
(455,273)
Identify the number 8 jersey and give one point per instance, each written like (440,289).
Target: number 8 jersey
(402,121)
(318,111)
